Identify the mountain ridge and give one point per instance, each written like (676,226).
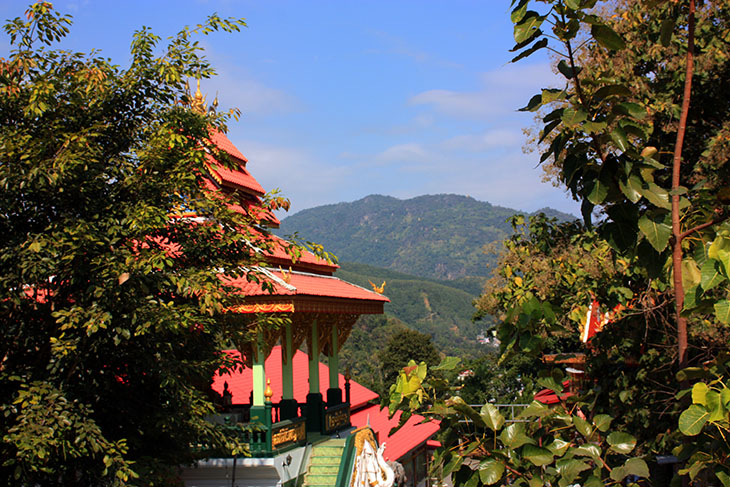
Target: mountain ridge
(436,236)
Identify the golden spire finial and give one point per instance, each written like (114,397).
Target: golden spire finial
(198,103)
(268,392)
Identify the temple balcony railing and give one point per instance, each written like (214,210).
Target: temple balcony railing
(274,435)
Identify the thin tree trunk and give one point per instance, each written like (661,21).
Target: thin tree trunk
(676,166)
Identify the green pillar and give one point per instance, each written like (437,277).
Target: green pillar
(289,405)
(334,393)
(314,361)
(258,408)
(315,404)
(287,369)
(259,376)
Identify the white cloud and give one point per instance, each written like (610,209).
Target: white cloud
(403,153)
(486,141)
(503,91)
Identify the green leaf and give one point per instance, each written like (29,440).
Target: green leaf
(723,477)
(558,447)
(490,471)
(598,192)
(519,12)
(491,417)
(537,455)
(587,450)
(633,466)
(570,468)
(567,71)
(527,26)
(710,275)
(607,37)
(611,90)
(532,106)
(655,230)
(693,419)
(583,426)
(717,409)
(618,135)
(574,4)
(448,363)
(602,422)
(621,442)
(536,409)
(691,275)
(542,43)
(699,393)
(593,481)
(573,117)
(629,188)
(657,196)
(665,36)
(513,436)
(634,110)
(722,311)
(725,397)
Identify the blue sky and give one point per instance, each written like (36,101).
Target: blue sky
(341,99)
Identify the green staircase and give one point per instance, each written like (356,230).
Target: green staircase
(324,463)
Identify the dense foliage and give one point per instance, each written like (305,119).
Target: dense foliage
(638,135)
(111,305)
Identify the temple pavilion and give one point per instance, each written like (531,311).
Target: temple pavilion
(319,310)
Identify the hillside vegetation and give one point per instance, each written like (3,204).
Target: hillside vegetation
(427,305)
(436,236)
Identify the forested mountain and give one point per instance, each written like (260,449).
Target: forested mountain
(437,236)
(430,306)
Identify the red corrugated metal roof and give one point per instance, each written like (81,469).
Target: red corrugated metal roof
(397,445)
(240,178)
(305,284)
(241,384)
(220,140)
(306,259)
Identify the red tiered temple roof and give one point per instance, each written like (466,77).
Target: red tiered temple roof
(305,283)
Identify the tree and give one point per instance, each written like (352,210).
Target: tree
(111,302)
(404,346)
(625,143)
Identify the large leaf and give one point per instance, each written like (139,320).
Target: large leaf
(699,393)
(570,468)
(587,450)
(693,419)
(491,417)
(583,426)
(722,311)
(691,275)
(633,466)
(602,422)
(573,116)
(536,409)
(631,188)
(490,471)
(621,442)
(527,26)
(598,192)
(618,135)
(655,230)
(558,447)
(448,363)
(537,455)
(513,436)
(607,37)
(710,275)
